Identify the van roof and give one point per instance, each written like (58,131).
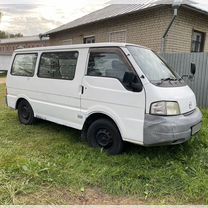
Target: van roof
(78,46)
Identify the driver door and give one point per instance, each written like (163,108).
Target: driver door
(104,92)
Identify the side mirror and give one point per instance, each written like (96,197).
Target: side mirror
(193,69)
(128,77)
(132,82)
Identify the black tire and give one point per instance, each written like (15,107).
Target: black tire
(25,113)
(103,133)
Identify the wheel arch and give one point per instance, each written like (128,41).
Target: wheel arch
(95,116)
(19,99)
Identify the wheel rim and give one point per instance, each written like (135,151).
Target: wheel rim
(25,113)
(104,138)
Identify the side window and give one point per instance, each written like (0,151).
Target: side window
(107,64)
(58,65)
(24,65)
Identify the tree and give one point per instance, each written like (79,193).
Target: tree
(4,35)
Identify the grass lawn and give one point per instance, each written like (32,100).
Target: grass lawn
(49,164)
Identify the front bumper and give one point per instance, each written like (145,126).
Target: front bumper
(166,130)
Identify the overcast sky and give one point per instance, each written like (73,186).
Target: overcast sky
(33,17)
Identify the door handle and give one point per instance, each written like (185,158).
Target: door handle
(82,89)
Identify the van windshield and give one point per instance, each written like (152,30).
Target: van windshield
(155,69)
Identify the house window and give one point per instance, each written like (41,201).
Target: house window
(198,40)
(90,39)
(117,36)
(67,42)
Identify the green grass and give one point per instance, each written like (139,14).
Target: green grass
(47,156)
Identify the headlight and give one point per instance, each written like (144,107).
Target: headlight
(165,108)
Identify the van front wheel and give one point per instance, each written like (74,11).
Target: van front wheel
(25,113)
(103,133)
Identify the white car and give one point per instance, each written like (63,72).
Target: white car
(113,92)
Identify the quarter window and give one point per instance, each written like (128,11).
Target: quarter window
(24,65)
(107,64)
(58,65)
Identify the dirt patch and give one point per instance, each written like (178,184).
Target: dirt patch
(67,197)
(2,80)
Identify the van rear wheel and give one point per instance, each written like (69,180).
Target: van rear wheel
(25,113)
(103,133)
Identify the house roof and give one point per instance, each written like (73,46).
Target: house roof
(22,39)
(108,12)
(115,10)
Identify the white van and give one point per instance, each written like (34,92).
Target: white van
(113,92)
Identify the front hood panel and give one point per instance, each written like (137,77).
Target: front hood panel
(183,95)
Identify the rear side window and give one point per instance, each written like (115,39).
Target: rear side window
(24,65)
(58,65)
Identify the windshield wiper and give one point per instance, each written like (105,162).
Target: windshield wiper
(168,79)
(172,79)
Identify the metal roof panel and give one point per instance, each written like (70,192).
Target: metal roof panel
(116,10)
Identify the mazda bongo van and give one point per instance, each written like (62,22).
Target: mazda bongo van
(112,92)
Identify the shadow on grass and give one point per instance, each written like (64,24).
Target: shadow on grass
(130,148)
(56,128)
